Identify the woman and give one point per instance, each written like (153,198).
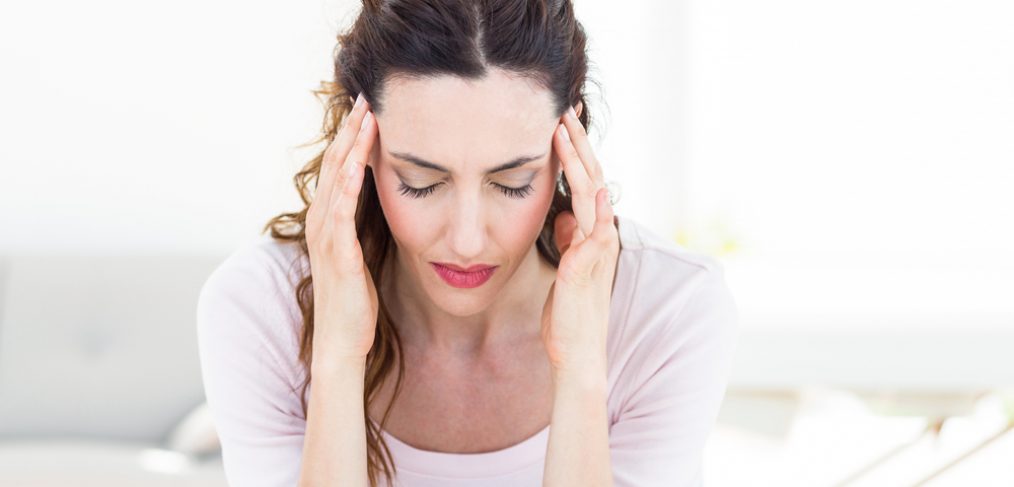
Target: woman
(457,292)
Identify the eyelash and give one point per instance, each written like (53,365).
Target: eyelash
(409,191)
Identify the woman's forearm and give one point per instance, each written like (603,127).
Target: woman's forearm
(578,449)
(334,446)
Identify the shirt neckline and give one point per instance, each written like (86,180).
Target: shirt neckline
(468,465)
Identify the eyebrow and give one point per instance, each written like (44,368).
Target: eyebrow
(516,162)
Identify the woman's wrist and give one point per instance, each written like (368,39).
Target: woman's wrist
(331,362)
(589,376)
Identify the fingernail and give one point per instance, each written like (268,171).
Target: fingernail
(351,170)
(366,121)
(572,112)
(359,100)
(563,132)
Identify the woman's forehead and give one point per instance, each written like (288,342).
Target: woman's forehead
(498,99)
(448,119)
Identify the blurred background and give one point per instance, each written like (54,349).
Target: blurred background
(850,163)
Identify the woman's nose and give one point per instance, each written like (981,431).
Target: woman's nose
(467,230)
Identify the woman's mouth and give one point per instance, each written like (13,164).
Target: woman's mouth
(475,276)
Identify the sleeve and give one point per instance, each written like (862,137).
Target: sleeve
(252,398)
(659,436)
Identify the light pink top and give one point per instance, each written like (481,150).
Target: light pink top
(672,334)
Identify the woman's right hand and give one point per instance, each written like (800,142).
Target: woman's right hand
(344,295)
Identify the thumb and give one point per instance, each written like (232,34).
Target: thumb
(564,228)
(547,312)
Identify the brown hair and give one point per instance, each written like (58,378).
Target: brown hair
(538,39)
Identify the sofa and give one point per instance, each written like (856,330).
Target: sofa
(100,381)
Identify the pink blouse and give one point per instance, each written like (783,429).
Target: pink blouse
(672,334)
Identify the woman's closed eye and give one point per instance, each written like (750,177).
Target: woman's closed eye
(510,192)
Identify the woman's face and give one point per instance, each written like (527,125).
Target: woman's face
(466,212)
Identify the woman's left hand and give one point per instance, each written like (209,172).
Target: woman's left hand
(575,318)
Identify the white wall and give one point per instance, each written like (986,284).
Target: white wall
(139,126)
(861,153)
(872,126)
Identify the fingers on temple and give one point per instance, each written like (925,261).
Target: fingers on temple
(605,230)
(346,200)
(336,153)
(581,185)
(574,169)
(579,139)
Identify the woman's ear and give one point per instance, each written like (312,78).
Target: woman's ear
(578,107)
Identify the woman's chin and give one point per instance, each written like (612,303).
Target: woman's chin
(464,302)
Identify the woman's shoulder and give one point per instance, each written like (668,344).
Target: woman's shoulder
(637,238)
(660,272)
(251,295)
(670,361)
(265,258)
(248,330)
(669,296)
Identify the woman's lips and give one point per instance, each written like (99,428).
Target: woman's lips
(462,279)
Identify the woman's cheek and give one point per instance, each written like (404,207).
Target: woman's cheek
(399,211)
(532,211)
(390,204)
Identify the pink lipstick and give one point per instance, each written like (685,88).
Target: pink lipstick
(456,276)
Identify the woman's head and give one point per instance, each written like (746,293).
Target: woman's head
(465,173)
(467,85)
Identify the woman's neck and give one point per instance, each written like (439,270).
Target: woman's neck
(513,317)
